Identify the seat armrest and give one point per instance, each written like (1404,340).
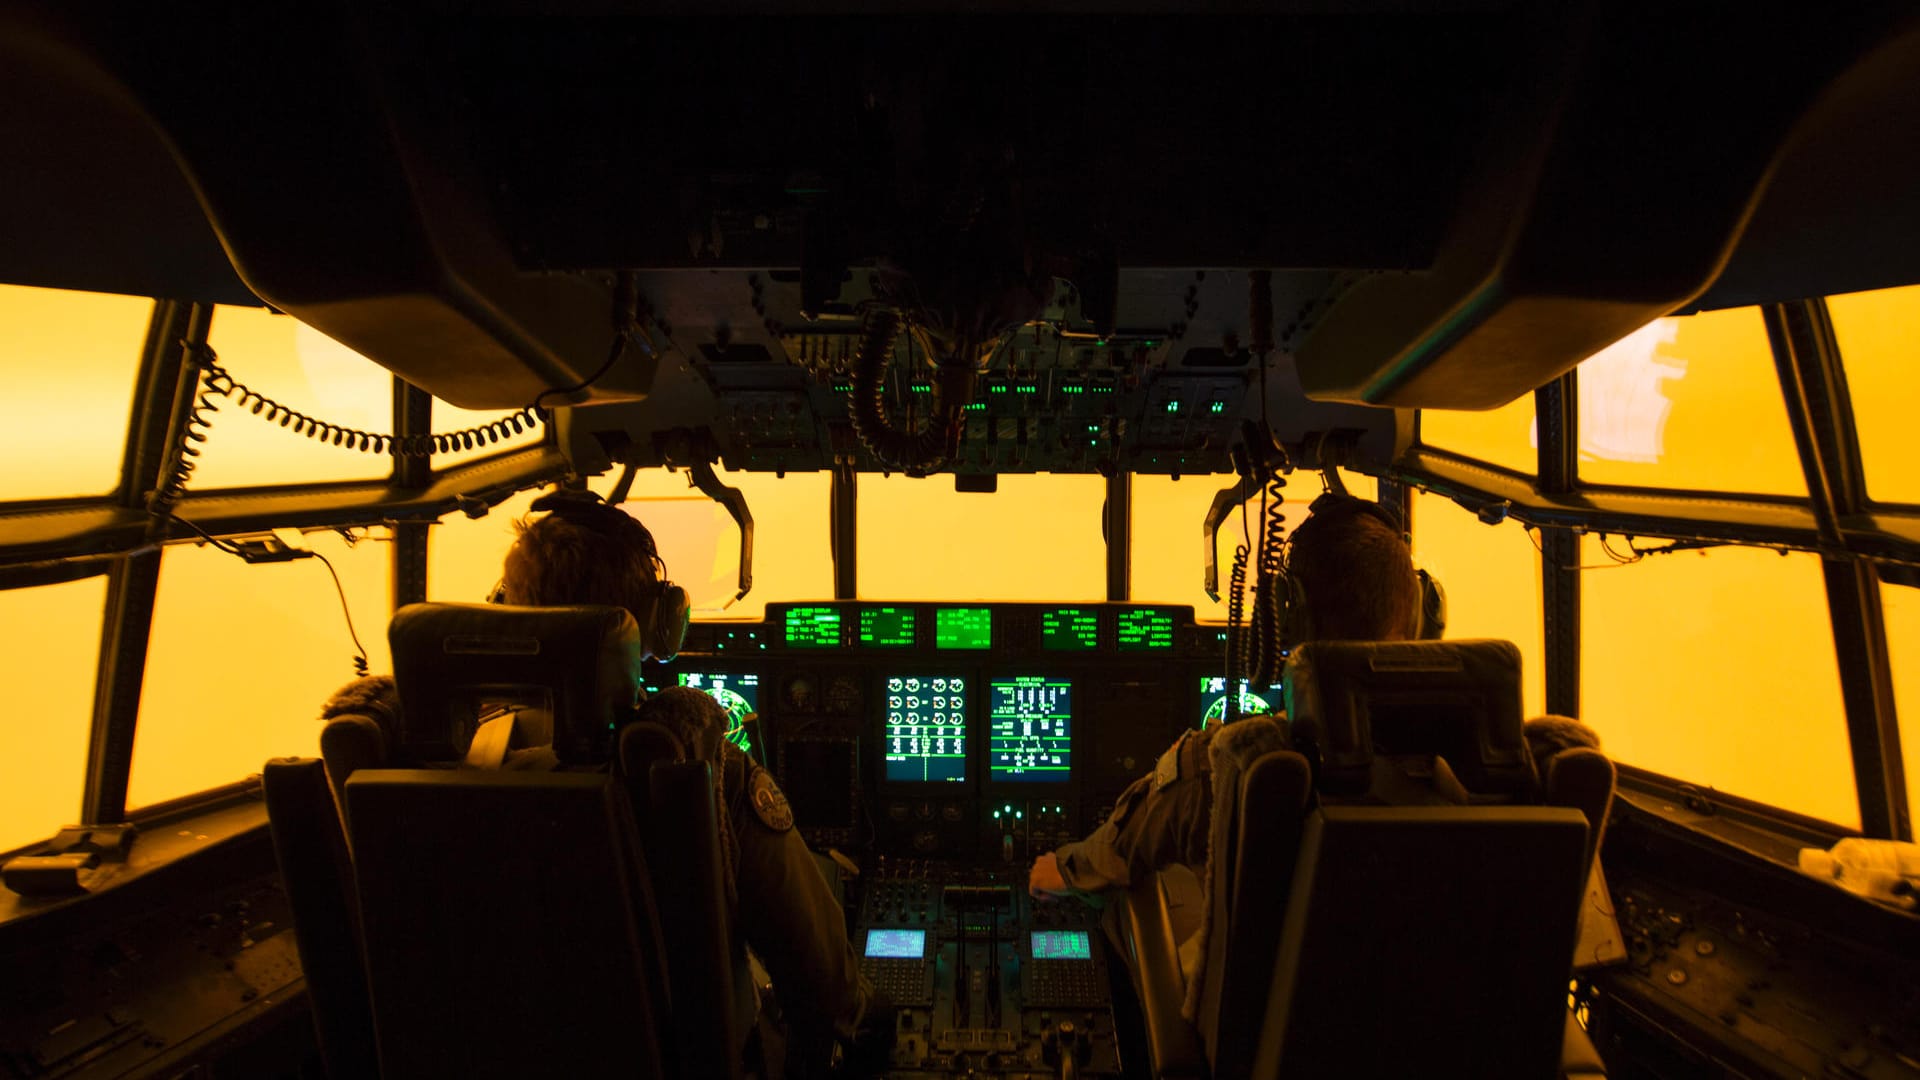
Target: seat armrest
(1578,1058)
(1154,959)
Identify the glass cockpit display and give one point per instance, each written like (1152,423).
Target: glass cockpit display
(926,733)
(1213,700)
(737,692)
(1030,729)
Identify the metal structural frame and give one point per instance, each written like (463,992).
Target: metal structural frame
(1814,384)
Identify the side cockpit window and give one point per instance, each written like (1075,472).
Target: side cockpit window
(1879,337)
(1717,667)
(72,359)
(53,648)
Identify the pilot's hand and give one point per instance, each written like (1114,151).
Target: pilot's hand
(1044,881)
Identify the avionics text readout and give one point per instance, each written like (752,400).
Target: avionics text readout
(963,627)
(887,627)
(1070,629)
(813,628)
(1145,630)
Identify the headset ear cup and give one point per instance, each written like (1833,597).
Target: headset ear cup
(667,630)
(1433,608)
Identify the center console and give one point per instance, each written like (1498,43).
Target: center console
(944,747)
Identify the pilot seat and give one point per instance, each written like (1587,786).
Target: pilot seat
(538,919)
(1391,889)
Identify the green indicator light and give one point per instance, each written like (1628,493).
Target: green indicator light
(922,388)
(997,388)
(1103,389)
(1029,389)
(976,405)
(1093,427)
(996,815)
(1019,813)
(1173,406)
(843,388)
(1218,406)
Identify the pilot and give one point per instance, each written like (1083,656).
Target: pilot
(587,552)
(1357,576)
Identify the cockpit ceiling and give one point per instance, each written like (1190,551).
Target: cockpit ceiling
(1459,201)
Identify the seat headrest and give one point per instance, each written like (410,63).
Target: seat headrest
(1348,701)
(580,664)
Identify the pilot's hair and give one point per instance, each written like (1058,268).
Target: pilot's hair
(1357,574)
(556,560)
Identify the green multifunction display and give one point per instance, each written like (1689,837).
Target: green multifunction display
(886,627)
(963,627)
(1145,629)
(1030,729)
(813,628)
(1070,629)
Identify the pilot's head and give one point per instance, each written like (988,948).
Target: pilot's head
(1356,573)
(583,552)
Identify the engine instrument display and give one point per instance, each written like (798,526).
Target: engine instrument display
(1030,729)
(963,627)
(1213,700)
(926,729)
(1069,629)
(737,693)
(887,627)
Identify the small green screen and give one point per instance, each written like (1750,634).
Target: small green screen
(1145,629)
(813,628)
(963,627)
(1061,945)
(1070,629)
(886,627)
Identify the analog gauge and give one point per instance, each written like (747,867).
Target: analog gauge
(843,695)
(799,694)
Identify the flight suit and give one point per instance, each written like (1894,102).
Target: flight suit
(786,912)
(1160,820)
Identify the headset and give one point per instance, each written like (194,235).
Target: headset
(1295,618)
(664,621)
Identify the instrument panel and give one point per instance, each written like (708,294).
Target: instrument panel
(988,732)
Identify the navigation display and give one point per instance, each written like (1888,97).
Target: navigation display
(739,694)
(1053,945)
(1030,729)
(886,627)
(813,628)
(926,735)
(1147,629)
(963,627)
(1213,700)
(896,944)
(1070,629)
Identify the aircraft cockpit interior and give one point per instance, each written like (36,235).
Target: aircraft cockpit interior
(933,406)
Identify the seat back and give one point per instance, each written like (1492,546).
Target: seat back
(508,922)
(1352,702)
(1426,939)
(711,993)
(1250,873)
(579,664)
(311,848)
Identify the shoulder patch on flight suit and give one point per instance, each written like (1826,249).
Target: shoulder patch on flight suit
(1167,769)
(769,802)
